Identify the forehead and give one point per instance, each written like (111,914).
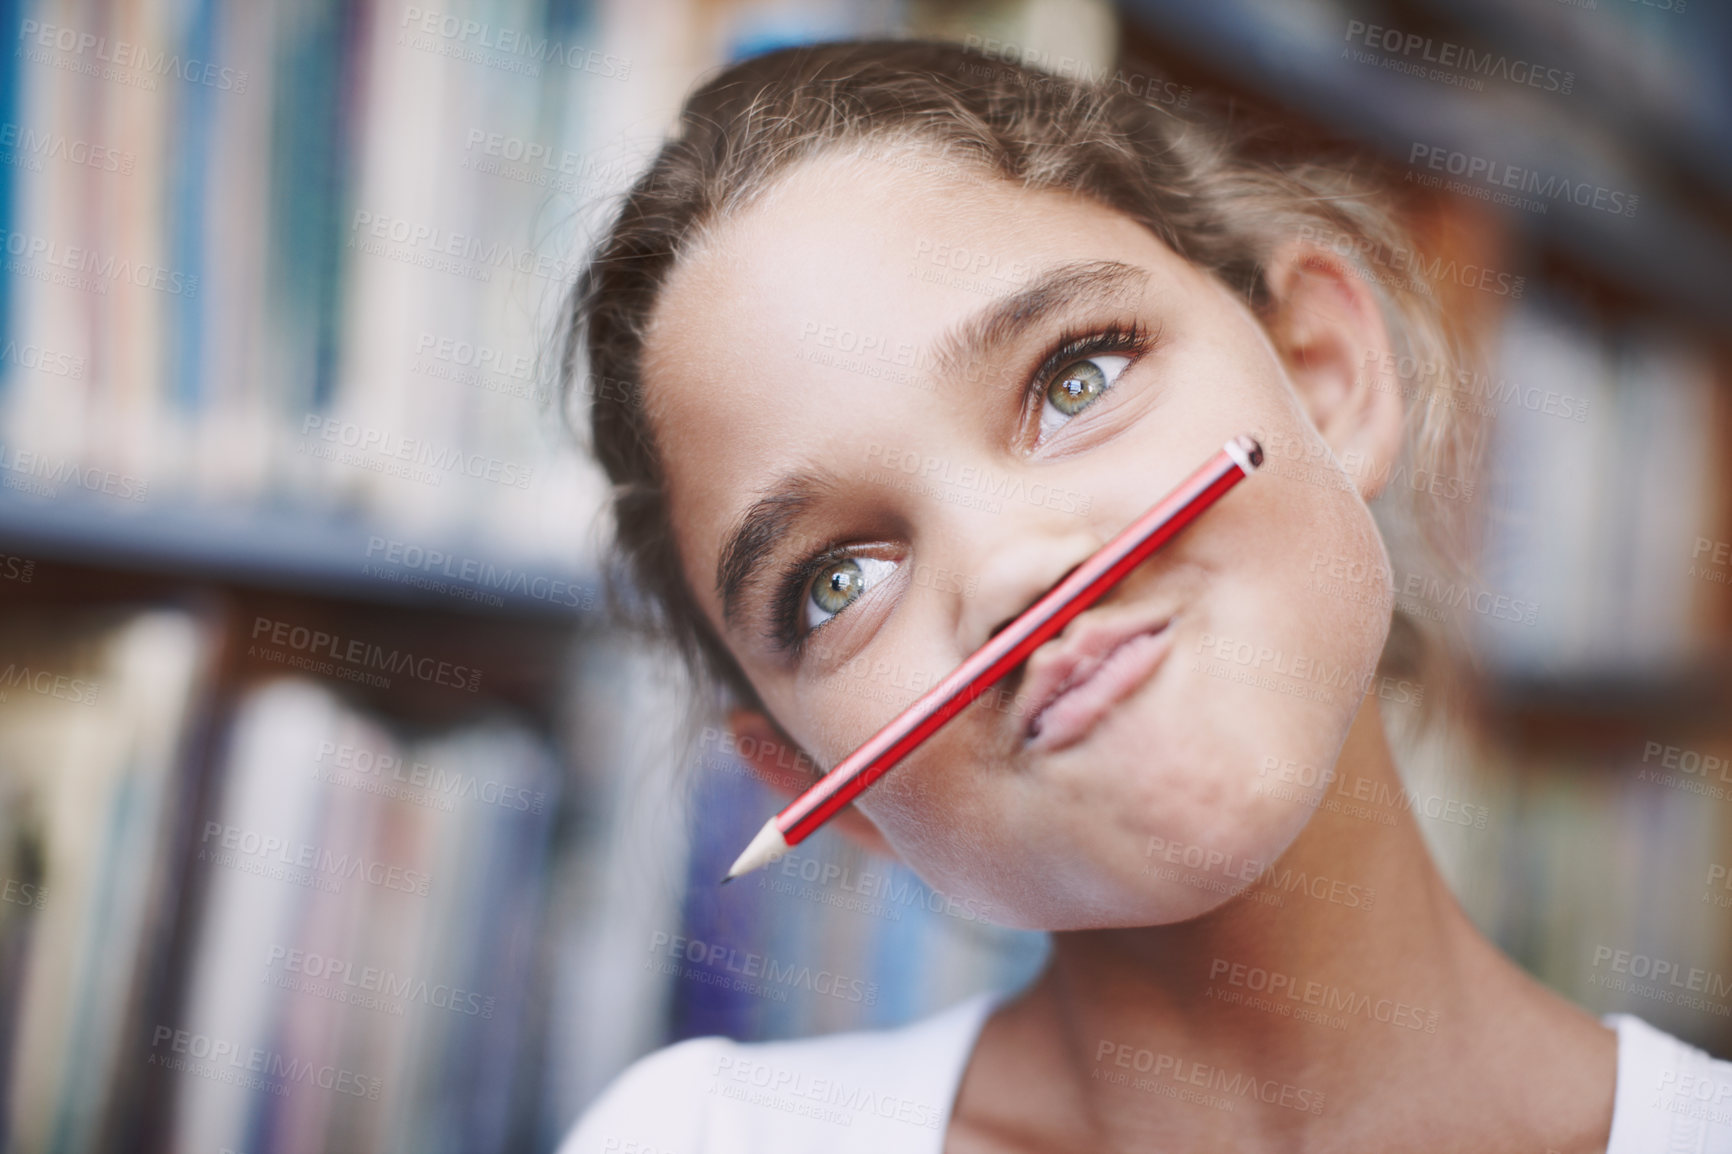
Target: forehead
(796,331)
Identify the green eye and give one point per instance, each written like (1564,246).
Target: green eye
(840,583)
(1076,387)
(837,584)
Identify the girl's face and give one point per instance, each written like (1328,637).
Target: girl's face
(895,406)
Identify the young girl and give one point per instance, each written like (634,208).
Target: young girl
(888,309)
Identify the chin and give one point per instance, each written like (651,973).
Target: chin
(1169,814)
(1120,831)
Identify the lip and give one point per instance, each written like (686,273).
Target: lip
(1076,679)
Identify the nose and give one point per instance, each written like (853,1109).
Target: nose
(1015,565)
(1003,625)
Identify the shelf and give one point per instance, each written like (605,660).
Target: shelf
(1667,250)
(1592,710)
(297,551)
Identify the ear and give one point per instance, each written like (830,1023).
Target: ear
(1327,325)
(777,761)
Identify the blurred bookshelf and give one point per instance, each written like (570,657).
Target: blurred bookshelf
(312,744)
(288,519)
(1629,98)
(299,552)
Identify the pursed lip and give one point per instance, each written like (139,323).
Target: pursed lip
(1070,659)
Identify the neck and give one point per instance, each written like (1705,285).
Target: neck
(1345,977)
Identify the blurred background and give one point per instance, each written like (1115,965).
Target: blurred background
(333,816)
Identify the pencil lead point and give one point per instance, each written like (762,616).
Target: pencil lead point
(766,847)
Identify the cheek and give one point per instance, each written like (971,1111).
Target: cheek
(1289,658)
(1274,678)
(1175,812)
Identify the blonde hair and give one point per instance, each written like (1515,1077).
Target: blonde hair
(1187,177)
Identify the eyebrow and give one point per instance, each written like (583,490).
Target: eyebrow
(759,530)
(767,521)
(1086,282)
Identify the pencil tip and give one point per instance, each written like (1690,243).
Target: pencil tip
(765,848)
(726,878)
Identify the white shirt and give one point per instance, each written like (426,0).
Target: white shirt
(892,1090)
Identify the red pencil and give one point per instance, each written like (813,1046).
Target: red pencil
(1043,620)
